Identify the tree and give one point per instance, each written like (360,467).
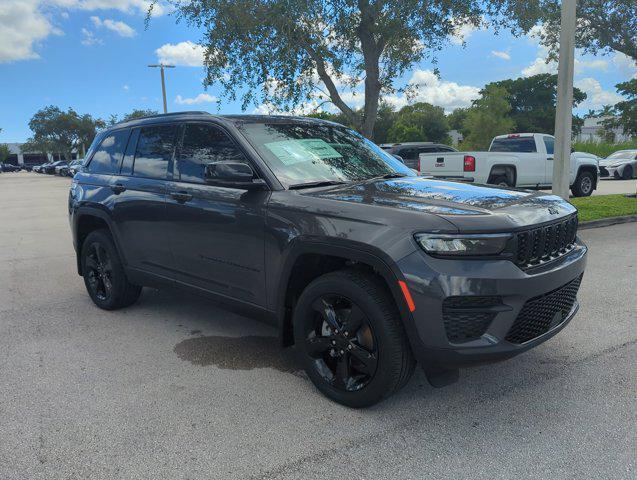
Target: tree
(533,101)
(4,152)
(626,110)
(457,119)
(288,52)
(62,132)
(488,117)
(602,25)
(420,122)
(136,113)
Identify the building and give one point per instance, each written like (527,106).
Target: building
(19,157)
(592,131)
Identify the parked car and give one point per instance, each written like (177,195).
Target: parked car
(8,167)
(409,151)
(40,168)
(365,266)
(74,166)
(620,165)
(50,168)
(517,160)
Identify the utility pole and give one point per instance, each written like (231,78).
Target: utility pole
(564,110)
(161,66)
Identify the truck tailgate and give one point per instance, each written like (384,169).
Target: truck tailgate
(447,164)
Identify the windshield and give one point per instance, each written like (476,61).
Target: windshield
(622,155)
(300,153)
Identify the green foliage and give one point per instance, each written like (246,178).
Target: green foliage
(488,117)
(288,52)
(627,109)
(420,122)
(457,119)
(602,25)
(604,206)
(61,132)
(533,102)
(4,152)
(603,149)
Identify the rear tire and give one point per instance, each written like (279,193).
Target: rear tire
(104,274)
(350,338)
(584,185)
(500,180)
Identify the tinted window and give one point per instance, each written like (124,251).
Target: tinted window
(514,144)
(108,155)
(205,144)
(549,142)
(154,151)
(408,153)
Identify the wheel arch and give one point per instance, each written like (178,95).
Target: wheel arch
(87,220)
(507,169)
(308,260)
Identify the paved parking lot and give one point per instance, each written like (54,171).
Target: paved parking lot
(175,388)
(608,186)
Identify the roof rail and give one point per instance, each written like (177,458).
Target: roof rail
(189,112)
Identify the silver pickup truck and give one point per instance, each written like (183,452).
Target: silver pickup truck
(516,160)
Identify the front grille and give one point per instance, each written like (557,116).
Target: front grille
(603,172)
(543,244)
(467,318)
(540,314)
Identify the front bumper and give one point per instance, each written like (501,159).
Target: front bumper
(432,280)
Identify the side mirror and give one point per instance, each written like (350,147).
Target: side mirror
(232,175)
(398,157)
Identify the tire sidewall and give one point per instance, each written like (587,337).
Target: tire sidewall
(383,382)
(118,279)
(578,185)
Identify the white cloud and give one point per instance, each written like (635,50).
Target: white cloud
(538,66)
(126,87)
(626,65)
(596,96)
(187,54)
(201,98)
(427,87)
(22,27)
(121,28)
(126,6)
(89,38)
(501,54)
(462,33)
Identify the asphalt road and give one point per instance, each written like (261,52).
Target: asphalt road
(608,186)
(175,388)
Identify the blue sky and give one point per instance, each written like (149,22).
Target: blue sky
(92,55)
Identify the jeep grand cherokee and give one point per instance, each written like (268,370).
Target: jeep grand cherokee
(362,265)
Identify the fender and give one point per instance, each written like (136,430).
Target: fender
(350,250)
(100,212)
(590,168)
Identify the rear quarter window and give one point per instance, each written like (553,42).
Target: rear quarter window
(109,153)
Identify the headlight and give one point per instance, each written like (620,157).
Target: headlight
(478,244)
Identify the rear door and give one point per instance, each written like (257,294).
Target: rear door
(549,145)
(218,235)
(139,198)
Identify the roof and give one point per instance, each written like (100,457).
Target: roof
(235,119)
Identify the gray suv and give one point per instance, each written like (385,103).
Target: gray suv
(363,266)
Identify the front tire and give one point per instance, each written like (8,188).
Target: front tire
(584,185)
(350,338)
(627,174)
(104,274)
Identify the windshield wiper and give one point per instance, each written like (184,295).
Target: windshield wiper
(387,176)
(320,183)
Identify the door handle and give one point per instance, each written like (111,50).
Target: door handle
(118,188)
(549,158)
(181,197)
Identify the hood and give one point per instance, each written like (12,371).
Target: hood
(613,162)
(467,206)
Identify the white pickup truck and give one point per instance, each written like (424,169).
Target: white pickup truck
(516,160)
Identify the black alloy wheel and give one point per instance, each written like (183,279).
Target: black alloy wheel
(350,338)
(99,268)
(341,343)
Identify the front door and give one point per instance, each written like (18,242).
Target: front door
(217,237)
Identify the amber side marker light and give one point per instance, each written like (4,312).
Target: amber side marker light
(407,295)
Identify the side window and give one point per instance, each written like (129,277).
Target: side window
(203,144)
(154,151)
(549,142)
(110,152)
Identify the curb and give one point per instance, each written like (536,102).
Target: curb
(607,222)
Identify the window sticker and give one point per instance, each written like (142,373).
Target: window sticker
(296,151)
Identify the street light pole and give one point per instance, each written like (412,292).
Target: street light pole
(564,108)
(161,66)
